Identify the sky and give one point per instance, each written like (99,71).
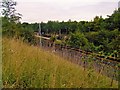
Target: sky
(63,10)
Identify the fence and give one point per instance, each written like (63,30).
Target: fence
(89,60)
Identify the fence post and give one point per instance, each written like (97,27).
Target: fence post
(113,78)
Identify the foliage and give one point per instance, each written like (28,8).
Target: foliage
(78,40)
(9,10)
(99,35)
(11,26)
(53,38)
(8,28)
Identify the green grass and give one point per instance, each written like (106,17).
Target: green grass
(29,66)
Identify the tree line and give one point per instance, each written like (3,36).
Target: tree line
(102,35)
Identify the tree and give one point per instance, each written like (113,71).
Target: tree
(10,19)
(116,19)
(97,21)
(78,40)
(9,11)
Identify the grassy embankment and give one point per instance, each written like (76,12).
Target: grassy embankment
(30,66)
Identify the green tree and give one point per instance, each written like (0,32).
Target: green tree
(10,17)
(9,10)
(97,21)
(79,40)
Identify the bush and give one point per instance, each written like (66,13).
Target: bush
(78,40)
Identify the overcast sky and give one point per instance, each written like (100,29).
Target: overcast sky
(63,10)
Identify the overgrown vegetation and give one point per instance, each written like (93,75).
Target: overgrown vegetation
(11,26)
(24,69)
(99,36)
(28,66)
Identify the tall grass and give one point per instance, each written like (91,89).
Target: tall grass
(0,59)
(29,66)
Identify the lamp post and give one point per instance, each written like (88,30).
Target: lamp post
(40,34)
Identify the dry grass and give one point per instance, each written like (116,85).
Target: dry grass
(29,66)
(0,59)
